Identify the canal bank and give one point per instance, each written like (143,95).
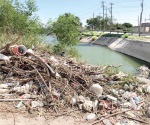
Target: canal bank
(137,49)
(104,56)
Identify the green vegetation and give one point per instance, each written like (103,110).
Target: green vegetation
(17,17)
(91,33)
(67,33)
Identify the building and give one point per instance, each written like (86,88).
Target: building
(145,28)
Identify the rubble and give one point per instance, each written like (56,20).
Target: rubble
(54,83)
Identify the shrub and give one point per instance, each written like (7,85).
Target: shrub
(125,36)
(94,38)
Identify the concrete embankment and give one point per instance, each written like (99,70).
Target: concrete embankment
(138,49)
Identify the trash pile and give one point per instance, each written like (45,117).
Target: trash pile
(36,79)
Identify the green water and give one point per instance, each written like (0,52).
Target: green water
(99,55)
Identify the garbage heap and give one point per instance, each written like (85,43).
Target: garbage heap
(35,79)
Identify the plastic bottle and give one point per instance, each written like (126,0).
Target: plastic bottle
(90,117)
(19,104)
(133,104)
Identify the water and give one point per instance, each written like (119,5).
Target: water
(99,55)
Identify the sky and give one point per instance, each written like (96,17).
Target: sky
(123,10)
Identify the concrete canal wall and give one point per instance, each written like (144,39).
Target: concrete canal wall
(138,49)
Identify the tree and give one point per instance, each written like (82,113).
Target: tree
(17,17)
(127,25)
(66,29)
(94,23)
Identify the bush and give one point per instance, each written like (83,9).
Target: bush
(94,38)
(125,36)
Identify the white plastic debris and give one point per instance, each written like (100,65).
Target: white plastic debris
(95,105)
(148,89)
(88,105)
(55,93)
(109,97)
(121,75)
(3,86)
(53,59)
(100,76)
(139,89)
(126,87)
(5,58)
(114,92)
(57,75)
(3,91)
(22,89)
(81,99)
(73,101)
(37,104)
(91,116)
(97,89)
(133,104)
(30,51)
(28,96)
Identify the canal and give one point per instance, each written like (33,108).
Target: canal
(103,56)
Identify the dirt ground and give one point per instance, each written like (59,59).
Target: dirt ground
(9,115)
(17,119)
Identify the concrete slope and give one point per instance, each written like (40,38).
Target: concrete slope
(138,49)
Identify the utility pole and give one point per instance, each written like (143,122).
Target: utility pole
(103,6)
(106,19)
(111,4)
(138,25)
(141,16)
(99,21)
(93,24)
(106,11)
